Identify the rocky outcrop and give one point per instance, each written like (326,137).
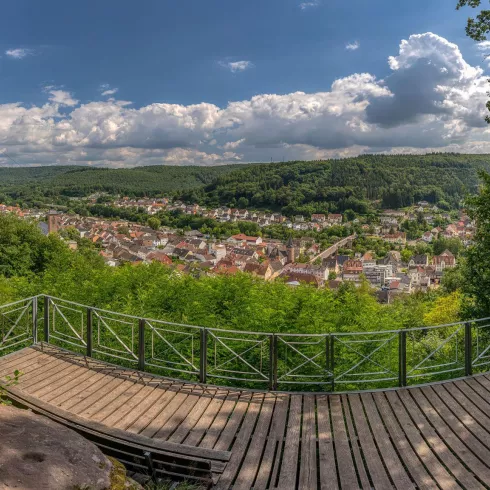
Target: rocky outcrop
(37,453)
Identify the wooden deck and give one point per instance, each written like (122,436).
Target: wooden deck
(436,436)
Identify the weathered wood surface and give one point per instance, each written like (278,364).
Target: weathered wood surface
(432,437)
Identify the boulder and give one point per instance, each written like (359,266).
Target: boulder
(37,453)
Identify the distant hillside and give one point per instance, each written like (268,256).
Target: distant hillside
(82,181)
(353,183)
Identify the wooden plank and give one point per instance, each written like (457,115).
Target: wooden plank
(474,392)
(464,408)
(199,419)
(479,387)
(144,408)
(217,421)
(26,364)
(289,467)
(328,469)
(147,417)
(77,392)
(454,433)
(431,462)
(374,464)
(119,401)
(485,382)
(229,431)
(250,465)
(63,415)
(355,445)
(269,466)
(387,451)
(179,416)
(51,378)
(414,465)
(16,358)
(164,415)
(473,419)
(73,372)
(241,443)
(308,470)
(438,445)
(92,394)
(75,381)
(345,463)
(112,393)
(126,409)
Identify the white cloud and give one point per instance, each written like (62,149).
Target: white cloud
(432,100)
(106,90)
(483,46)
(18,53)
(308,5)
(236,66)
(62,97)
(353,46)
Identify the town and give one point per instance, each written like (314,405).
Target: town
(403,266)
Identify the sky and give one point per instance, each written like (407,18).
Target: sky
(211,82)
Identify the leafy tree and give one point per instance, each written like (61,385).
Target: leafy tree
(476,272)
(406,254)
(154,223)
(477,28)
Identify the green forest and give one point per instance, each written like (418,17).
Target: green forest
(360,184)
(38,184)
(354,183)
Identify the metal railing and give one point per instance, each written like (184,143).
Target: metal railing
(275,361)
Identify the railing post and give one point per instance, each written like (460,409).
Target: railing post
(402,358)
(273,362)
(203,358)
(46,319)
(34,320)
(89,331)
(141,344)
(468,351)
(332,359)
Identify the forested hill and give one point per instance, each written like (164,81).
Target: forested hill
(82,181)
(293,187)
(353,183)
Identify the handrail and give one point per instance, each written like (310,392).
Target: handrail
(252,332)
(350,360)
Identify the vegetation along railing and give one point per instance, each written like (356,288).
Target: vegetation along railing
(275,361)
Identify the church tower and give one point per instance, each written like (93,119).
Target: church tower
(290,250)
(53,222)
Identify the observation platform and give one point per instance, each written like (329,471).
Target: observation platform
(433,436)
(377,409)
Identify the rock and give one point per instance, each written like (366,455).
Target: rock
(37,453)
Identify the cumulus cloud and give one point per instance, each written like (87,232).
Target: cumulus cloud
(18,53)
(353,46)
(432,100)
(62,97)
(236,66)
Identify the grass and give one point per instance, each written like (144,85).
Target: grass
(169,485)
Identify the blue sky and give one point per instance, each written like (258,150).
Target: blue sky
(80,80)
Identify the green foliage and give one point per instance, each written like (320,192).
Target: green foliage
(154,223)
(346,185)
(9,381)
(39,184)
(477,28)
(24,250)
(476,271)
